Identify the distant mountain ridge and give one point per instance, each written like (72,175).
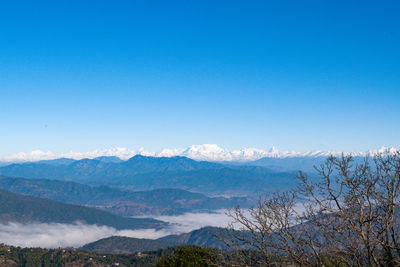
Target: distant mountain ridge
(206,152)
(57,169)
(231,181)
(81,169)
(141,173)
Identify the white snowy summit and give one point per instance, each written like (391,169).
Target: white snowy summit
(206,152)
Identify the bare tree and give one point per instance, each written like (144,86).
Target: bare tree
(348,214)
(278,230)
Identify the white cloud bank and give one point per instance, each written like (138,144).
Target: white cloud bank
(54,235)
(208,152)
(191,221)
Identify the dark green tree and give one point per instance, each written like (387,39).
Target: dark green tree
(189,256)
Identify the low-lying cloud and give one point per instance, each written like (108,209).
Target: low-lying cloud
(54,235)
(190,221)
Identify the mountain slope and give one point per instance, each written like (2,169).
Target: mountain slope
(26,209)
(303,163)
(207,236)
(11,256)
(240,180)
(146,173)
(16,256)
(155,202)
(103,168)
(127,245)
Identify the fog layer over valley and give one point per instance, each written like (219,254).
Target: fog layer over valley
(53,235)
(191,221)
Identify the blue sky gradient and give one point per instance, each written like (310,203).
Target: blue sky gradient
(299,75)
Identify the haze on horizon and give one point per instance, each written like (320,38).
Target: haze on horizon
(79,76)
(204,152)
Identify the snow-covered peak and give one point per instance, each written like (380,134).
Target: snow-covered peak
(273,150)
(382,150)
(210,152)
(207,152)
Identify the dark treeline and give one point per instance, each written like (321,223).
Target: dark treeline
(173,256)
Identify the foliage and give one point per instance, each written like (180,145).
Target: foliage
(190,257)
(121,245)
(194,256)
(206,236)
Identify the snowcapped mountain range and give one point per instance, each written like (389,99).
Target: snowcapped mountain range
(206,152)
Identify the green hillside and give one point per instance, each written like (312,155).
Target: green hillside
(207,237)
(26,209)
(126,245)
(156,202)
(173,256)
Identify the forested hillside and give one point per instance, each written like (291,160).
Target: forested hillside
(26,209)
(207,236)
(155,202)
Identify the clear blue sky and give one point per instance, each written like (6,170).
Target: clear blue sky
(300,75)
